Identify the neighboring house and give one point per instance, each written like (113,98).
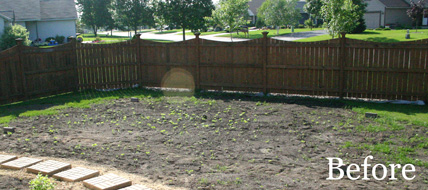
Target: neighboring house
(388,13)
(42,18)
(4,21)
(256,4)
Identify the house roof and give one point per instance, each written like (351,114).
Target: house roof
(255,4)
(58,9)
(5,17)
(39,10)
(395,3)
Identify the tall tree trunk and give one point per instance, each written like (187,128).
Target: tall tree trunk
(184,34)
(95,30)
(277,30)
(111,33)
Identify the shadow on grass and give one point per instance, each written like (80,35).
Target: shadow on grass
(382,39)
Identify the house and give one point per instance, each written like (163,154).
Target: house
(4,21)
(256,4)
(42,18)
(388,13)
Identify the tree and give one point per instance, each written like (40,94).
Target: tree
(231,14)
(95,13)
(159,8)
(11,33)
(188,14)
(135,13)
(361,27)
(313,8)
(416,11)
(340,16)
(279,13)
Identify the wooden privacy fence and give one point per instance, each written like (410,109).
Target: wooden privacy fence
(340,67)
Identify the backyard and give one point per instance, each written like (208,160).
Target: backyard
(220,140)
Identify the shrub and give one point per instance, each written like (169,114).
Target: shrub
(59,39)
(309,23)
(387,29)
(42,183)
(300,26)
(11,33)
(260,23)
(48,39)
(79,38)
(98,39)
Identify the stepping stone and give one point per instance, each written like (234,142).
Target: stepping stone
(49,167)
(6,158)
(76,174)
(136,187)
(20,163)
(107,182)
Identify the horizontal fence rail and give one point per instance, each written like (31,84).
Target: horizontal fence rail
(341,67)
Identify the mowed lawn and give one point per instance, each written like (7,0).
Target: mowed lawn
(114,39)
(203,33)
(388,36)
(272,33)
(104,37)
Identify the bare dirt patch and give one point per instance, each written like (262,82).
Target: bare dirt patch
(215,143)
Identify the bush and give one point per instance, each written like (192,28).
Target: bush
(300,26)
(11,33)
(260,23)
(59,39)
(48,39)
(309,23)
(387,29)
(79,38)
(42,183)
(360,28)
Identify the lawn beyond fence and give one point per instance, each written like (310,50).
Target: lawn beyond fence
(339,67)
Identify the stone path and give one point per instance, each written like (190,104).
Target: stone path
(65,172)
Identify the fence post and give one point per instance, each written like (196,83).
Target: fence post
(73,42)
(21,73)
(342,60)
(198,63)
(139,61)
(265,61)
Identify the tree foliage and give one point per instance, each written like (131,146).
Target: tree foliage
(339,16)
(231,14)
(188,14)
(416,11)
(279,13)
(11,33)
(134,13)
(313,8)
(361,27)
(95,13)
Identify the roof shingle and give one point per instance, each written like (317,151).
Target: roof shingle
(395,3)
(39,10)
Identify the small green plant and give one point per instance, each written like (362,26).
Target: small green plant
(42,183)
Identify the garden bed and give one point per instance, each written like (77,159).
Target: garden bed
(220,142)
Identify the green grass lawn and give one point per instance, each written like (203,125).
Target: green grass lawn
(272,33)
(91,37)
(378,36)
(203,33)
(168,31)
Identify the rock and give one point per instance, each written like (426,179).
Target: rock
(7,130)
(371,115)
(135,100)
